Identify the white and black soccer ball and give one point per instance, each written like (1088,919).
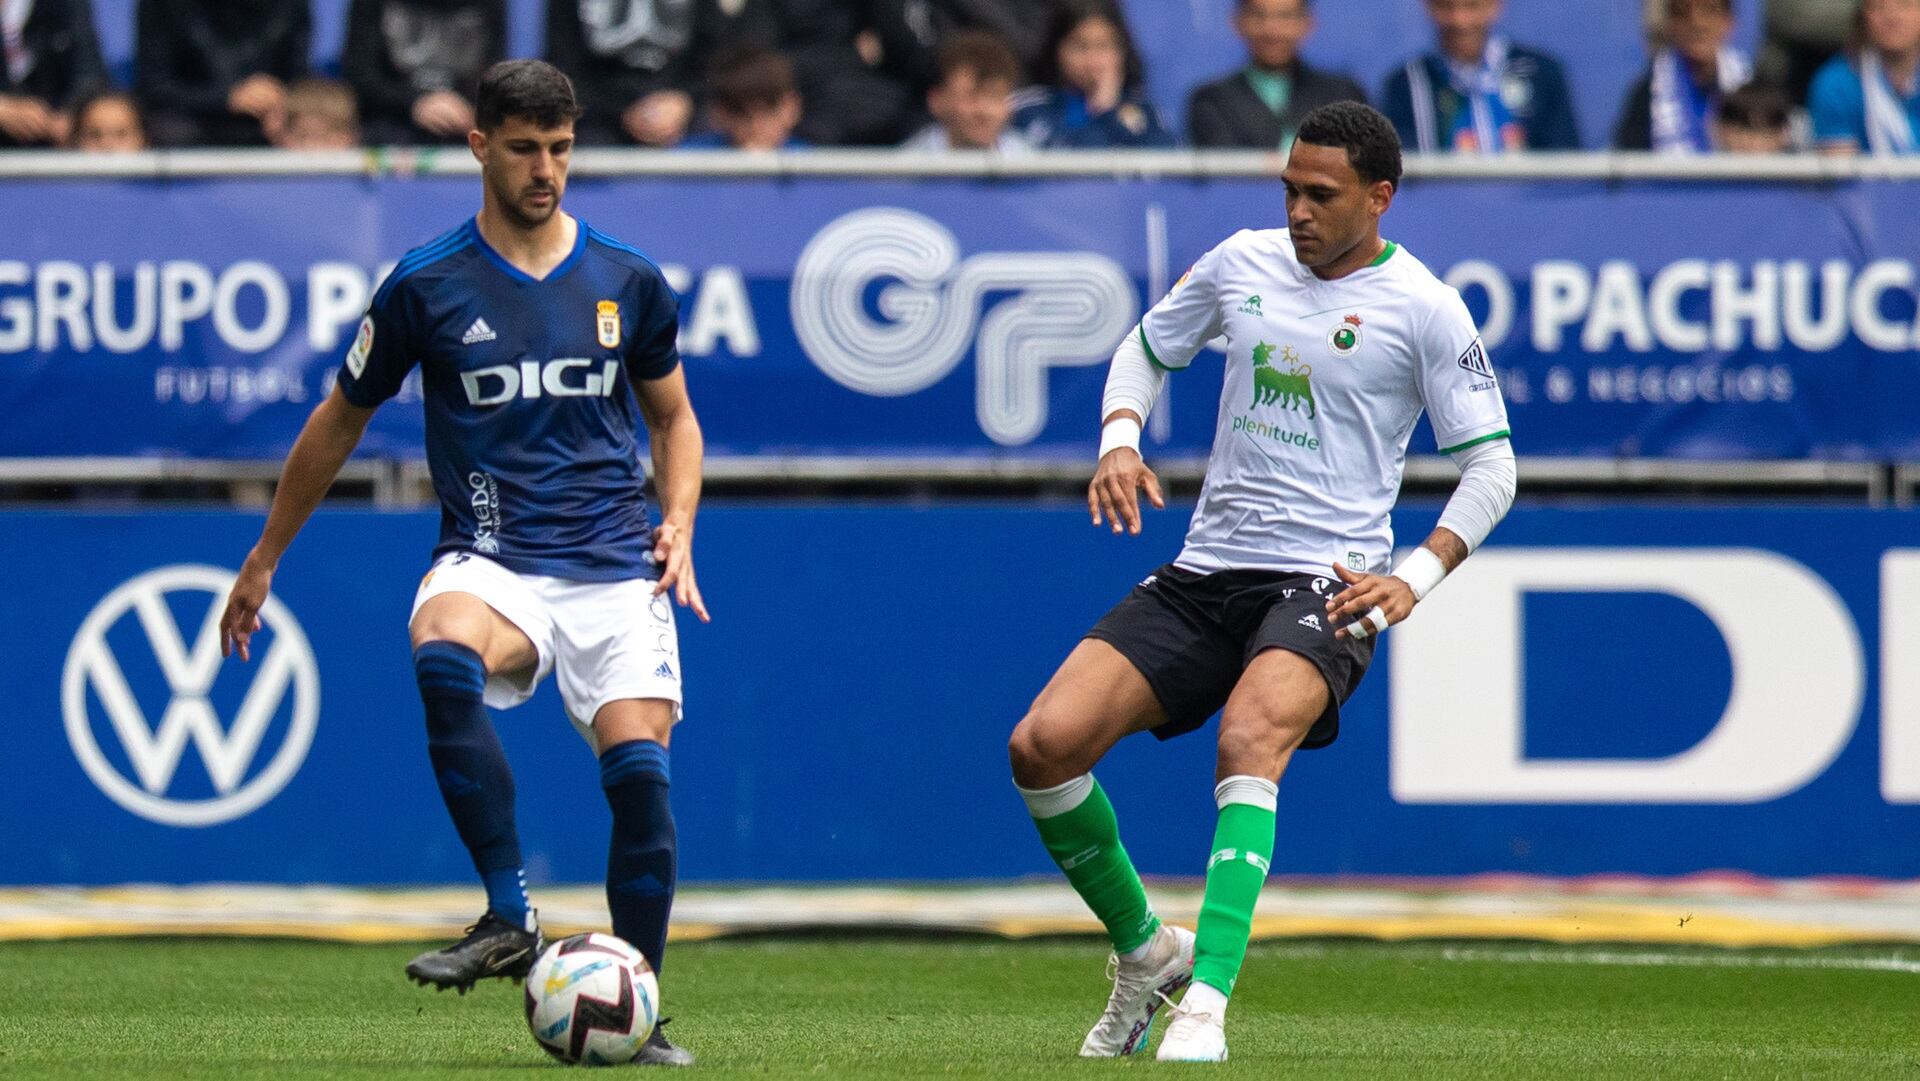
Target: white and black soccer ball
(593,1000)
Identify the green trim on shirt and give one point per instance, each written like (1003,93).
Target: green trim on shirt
(1148,346)
(1488,438)
(1385,255)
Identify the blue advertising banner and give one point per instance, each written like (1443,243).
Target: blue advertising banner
(1607,689)
(973,318)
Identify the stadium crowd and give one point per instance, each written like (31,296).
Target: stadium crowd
(1014,76)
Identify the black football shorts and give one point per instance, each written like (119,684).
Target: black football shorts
(1192,635)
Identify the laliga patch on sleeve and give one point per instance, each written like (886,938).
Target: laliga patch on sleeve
(362,345)
(1475,360)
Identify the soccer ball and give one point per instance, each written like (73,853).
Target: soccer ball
(592,999)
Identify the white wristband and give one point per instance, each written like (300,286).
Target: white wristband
(1422,570)
(1120,432)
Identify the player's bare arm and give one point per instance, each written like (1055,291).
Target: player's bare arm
(330,434)
(1372,603)
(1120,478)
(678,450)
(1393,595)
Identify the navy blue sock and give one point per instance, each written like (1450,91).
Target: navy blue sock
(641,861)
(473,773)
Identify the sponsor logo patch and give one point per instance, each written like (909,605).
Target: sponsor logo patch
(1290,389)
(1475,360)
(362,345)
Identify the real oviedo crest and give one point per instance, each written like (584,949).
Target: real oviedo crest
(608,322)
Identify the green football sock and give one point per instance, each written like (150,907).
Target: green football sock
(1081,834)
(1242,850)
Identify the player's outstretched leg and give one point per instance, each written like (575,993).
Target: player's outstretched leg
(642,858)
(1242,851)
(477,785)
(1271,711)
(1095,699)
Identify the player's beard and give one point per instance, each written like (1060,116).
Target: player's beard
(524,215)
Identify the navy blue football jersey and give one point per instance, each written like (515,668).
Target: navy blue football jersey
(533,432)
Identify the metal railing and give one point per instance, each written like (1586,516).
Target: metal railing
(406,483)
(864,164)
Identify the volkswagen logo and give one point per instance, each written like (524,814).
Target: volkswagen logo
(188,666)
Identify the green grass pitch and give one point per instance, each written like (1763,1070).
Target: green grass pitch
(970,1008)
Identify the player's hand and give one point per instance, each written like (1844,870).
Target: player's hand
(241,620)
(673,554)
(1363,594)
(1115,490)
(443,112)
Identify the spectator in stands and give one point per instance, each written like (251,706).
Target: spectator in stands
(1754,119)
(1024,25)
(1801,36)
(973,100)
(108,122)
(1261,105)
(1092,93)
(51,60)
(634,63)
(1479,93)
(1671,107)
(413,63)
(752,100)
(1869,98)
(862,67)
(321,115)
(215,72)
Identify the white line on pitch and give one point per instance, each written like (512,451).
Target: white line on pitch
(1635,958)
(1657,959)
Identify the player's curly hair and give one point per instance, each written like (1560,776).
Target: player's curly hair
(530,89)
(1372,146)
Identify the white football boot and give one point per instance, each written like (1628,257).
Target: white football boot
(1140,988)
(1193,1036)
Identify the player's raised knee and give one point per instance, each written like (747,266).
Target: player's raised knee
(452,618)
(472,635)
(1042,751)
(1256,741)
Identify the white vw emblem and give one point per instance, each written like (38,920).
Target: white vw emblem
(190,671)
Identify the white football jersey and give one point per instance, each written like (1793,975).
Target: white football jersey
(1324,382)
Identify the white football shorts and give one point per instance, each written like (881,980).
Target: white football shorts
(605,640)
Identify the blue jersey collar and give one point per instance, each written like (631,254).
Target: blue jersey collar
(518,275)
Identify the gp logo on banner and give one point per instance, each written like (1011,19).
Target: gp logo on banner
(98,662)
(1068,310)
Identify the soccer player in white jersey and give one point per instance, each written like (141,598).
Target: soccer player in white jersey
(1335,340)
(541,343)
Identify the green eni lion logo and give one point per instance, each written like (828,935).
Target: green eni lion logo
(1290,388)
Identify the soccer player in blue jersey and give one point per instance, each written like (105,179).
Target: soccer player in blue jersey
(537,338)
